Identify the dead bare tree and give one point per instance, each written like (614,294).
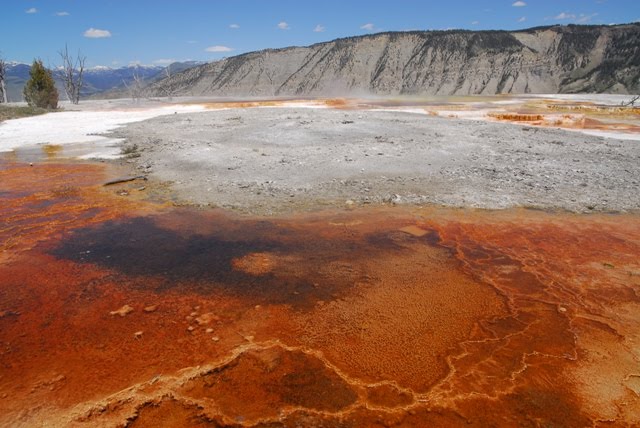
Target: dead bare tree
(71,74)
(169,88)
(136,86)
(3,88)
(632,102)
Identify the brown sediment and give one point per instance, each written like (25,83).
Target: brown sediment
(245,104)
(609,126)
(517,117)
(255,263)
(592,108)
(336,103)
(568,121)
(372,317)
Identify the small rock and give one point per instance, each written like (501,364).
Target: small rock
(215,338)
(190,328)
(207,318)
(138,334)
(392,199)
(193,314)
(562,309)
(209,330)
(349,202)
(8,313)
(58,378)
(414,231)
(151,308)
(126,309)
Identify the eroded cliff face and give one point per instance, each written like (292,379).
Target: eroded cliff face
(560,59)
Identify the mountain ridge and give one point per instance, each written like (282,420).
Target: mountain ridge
(97,80)
(548,59)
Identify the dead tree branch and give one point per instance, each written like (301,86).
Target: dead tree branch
(71,74)
(136,86)
(3,88)
(632,102)
(169,88)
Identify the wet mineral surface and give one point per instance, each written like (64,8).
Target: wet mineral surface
(119,311)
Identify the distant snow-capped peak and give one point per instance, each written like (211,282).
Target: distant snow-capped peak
(100,68)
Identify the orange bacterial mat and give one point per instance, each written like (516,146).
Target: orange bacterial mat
(115,311)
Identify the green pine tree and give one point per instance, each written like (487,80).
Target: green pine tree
(40,90)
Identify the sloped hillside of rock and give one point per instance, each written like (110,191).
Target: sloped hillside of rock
(559,59)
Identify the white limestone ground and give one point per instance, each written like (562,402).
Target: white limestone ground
(80,126)
(271,160)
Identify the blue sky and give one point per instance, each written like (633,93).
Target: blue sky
(119,32)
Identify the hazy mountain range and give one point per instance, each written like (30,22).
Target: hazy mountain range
(556,59)
(97,79)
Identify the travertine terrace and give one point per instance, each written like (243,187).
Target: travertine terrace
(140,304)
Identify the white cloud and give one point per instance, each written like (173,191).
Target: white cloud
(519,4)
(522,19)
(164,61)
(31,10)
(475,22)
(283,25)
(583,19)
(234,26)
(95,33)
(368,27)
(218,48)
(564,15)
(62,13)
(580,19)
(319,28)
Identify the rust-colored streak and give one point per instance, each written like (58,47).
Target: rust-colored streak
(336,103)
(115,311)
(570,121)
(518,117)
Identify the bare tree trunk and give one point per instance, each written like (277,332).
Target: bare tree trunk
(3,89)
(71,73)
(633,101)
(135,87)
(167,72)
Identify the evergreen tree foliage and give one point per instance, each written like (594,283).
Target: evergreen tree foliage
(40,90)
